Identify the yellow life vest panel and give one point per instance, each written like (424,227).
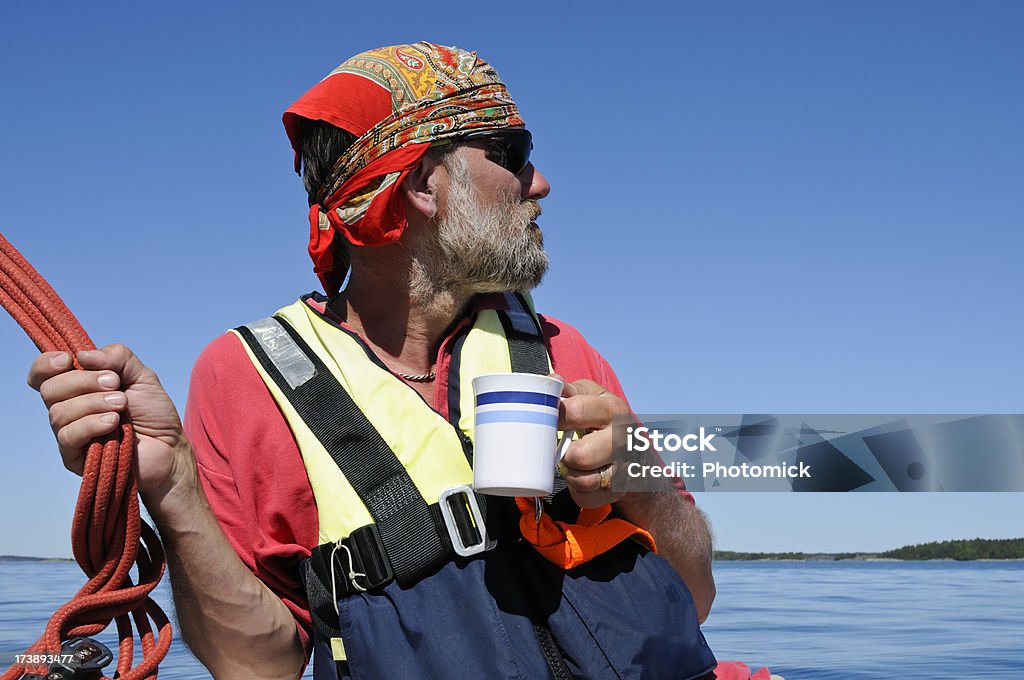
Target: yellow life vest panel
(429,447)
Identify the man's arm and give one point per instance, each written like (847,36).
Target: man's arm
(678,527)
(682,535)
(232,622)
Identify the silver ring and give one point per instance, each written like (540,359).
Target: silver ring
(606,477)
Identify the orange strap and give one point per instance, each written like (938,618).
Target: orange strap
(570,545)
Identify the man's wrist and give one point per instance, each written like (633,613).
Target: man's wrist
(173,503)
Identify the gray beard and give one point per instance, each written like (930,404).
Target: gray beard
(478,249)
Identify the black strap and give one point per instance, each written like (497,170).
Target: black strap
(406,524)
(320,593)
(527,351)
(525,340)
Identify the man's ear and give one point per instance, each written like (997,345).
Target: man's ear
(420,186)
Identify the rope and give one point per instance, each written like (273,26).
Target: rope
(107,534)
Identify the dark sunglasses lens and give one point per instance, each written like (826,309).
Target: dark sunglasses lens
(511,150)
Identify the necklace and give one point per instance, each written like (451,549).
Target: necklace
(423,377)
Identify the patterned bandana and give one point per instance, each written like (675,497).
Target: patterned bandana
(397,100)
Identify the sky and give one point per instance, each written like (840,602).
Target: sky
(789,207)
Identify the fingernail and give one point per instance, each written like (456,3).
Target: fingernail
(116,399)
(108,380)
(61,360)
(110,417)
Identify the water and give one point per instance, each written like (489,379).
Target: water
(858,620)
(31,591)
(813,620)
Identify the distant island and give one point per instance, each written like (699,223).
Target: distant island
(973,549)
(19,558)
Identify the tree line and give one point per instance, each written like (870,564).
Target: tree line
(969,549)
(972,549)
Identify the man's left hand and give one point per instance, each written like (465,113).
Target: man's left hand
(588,467)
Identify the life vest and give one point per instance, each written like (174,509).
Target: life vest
(416,576)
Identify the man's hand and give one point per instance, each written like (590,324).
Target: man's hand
(679,529)
(221,606)
(87,404)
(588,467)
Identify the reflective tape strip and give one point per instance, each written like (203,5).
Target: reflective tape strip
(338,649)
(294,365)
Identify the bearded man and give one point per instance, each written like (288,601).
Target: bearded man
(301,504)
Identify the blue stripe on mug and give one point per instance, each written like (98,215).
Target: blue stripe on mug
(516,398)
(530,417)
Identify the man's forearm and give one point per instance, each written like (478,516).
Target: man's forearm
(230,620)
(682,535)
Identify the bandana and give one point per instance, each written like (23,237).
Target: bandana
(397,101)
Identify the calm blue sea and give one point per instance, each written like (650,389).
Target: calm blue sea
(859,620)
(813,620)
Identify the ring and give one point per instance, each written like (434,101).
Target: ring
(606,477)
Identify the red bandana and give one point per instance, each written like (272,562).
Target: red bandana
(397,100)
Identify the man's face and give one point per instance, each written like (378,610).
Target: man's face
(487,239)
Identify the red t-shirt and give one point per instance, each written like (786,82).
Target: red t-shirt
(251,468)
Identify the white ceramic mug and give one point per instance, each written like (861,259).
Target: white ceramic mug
(516,445)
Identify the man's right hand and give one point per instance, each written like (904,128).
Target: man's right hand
(221,606)
(87,404)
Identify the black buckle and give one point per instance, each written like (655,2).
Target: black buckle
(368,565)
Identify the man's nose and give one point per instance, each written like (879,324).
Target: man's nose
(535,185)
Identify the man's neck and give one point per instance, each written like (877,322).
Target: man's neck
(404,330)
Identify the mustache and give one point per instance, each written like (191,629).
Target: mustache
(531,209)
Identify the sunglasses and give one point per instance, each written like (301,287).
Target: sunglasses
(508,148)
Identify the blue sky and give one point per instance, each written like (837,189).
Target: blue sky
(792,207)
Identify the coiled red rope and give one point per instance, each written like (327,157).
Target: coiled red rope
(107,534)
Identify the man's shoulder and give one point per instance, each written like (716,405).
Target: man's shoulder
(220,360)
(226,353)
(573,357)
(562,334)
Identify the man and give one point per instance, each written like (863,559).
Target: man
(300,505)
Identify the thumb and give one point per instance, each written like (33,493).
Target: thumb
(120,360)
(568,389)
